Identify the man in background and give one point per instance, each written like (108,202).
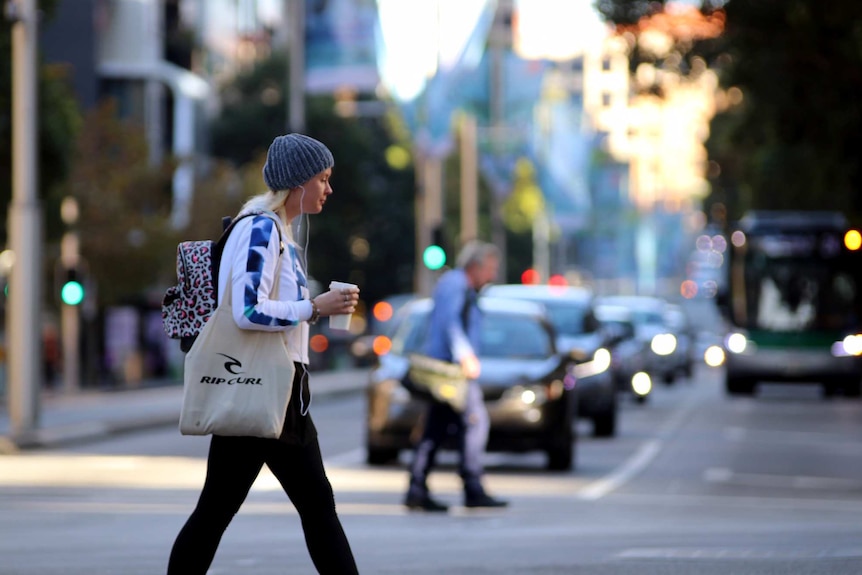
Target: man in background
(453,336)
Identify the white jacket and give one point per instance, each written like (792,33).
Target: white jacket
(250,258)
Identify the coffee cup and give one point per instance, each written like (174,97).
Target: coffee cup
(340,321)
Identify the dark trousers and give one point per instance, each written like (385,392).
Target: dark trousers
(232,467)
(471,433)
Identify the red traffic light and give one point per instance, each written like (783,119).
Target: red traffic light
(530,276)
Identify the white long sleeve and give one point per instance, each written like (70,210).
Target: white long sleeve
(250,259)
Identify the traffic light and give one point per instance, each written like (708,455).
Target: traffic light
(530,277)
(434,256)
(72,290)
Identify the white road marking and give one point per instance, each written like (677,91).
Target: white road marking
(642,458)
(622,474)
(832,442)
(723,475)
(736,553)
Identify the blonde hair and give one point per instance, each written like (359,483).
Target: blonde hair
(270,201)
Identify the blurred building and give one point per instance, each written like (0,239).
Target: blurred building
(164,60)
(132,51)
(647,130)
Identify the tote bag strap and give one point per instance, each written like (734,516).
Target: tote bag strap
(273,293)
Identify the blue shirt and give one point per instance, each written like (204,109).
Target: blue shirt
(448,338)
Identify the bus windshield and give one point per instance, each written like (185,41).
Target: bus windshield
(794,283)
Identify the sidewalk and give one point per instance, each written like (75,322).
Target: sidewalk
(89,415)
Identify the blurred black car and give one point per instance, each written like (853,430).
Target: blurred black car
(570,311)
(630,355)
(526,383)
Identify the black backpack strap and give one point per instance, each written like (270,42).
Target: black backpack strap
(228,224)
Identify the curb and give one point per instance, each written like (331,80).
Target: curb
(65,435)
(337,384)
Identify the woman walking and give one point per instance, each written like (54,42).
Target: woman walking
(297,173)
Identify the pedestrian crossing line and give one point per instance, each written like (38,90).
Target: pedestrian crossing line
(852,507)
(736,553)
(259,508)
(97,472)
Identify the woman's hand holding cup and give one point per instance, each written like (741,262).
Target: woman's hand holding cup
(339,300)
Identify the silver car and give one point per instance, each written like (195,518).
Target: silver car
(648,315)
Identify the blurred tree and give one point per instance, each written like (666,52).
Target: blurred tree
(366,234)
(526,200)
(124,213)
(59,120)
(791,120)
(792,141)
(519,243)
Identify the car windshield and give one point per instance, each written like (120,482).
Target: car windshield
(567,318)
(514,336)
(643,316)
(503,336)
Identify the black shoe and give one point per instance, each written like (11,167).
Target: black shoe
(484,500)
(424,503)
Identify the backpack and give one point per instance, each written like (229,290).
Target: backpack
(187,306)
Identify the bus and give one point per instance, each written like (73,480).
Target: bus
(793,302)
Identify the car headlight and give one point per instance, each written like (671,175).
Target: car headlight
(531,395)
(713,356)
(736,342)
(601,360)
(849,346)
(641,383)
(663,344)
(599,364)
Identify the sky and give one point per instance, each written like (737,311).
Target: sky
(557,29)
(421,35)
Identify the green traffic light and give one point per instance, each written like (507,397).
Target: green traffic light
(72,293)
(434,257)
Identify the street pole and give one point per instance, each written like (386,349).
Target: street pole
(296,80)
(70,315)
(429,214)
(469,180)
(541,245)
(23,319)
(500,38)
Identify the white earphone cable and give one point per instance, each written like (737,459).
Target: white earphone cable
(303,381)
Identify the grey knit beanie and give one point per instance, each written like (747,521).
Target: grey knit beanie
(294,159)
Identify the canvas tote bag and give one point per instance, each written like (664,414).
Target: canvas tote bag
(236,381)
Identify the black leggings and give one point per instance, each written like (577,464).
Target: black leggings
(232,467)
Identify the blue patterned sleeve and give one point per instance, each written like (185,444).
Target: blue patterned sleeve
(254,306)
